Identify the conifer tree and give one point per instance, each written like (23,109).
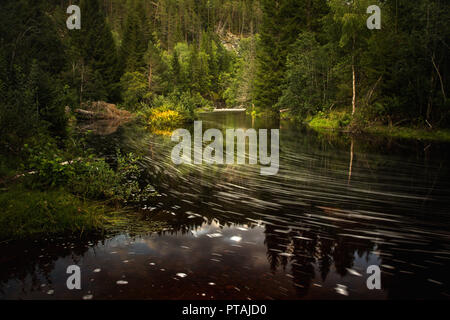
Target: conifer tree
(98,53)
(282,22)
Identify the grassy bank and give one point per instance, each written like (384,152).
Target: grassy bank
(410,133)
(29,213)
(341,120)
(34,214)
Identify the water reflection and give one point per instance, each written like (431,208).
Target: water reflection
(338,205)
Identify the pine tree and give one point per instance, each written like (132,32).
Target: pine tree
(176,72)
(281,24)
(156,70)
(135,37)
(98,53)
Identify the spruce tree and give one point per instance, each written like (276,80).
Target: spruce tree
(98,52)
(280,26)
(136,36)
(270,60)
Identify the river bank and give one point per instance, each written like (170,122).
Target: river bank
(61,187)
(340,121)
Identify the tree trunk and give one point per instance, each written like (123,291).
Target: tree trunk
(354,79)
(440,78)
(81,83)
(150,76)
(354,88)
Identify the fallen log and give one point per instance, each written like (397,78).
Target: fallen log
(85,114)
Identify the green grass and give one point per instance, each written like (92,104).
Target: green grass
(410,133)
(29,213)
(339,120)
(333,120)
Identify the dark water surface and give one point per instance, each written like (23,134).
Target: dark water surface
(337,205)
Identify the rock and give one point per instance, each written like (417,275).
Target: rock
(230,41)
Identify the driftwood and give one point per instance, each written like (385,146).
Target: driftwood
(229,110)
(85,114)
(101,110)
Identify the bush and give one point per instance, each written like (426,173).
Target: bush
(46,165)
(87,177)
(162,118)
(95,179)
(330,120)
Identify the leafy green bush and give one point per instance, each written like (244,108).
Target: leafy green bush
(95,179)
(330,120)
(46,165)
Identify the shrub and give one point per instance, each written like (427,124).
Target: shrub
(46,165)
(95,179)
(163,118)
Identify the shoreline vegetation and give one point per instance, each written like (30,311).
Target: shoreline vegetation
(340,121)
(49,193)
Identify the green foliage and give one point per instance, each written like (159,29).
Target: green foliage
(46,166)
(400,71)
(239,84)
(49,167)
(411,133)
(95,179)
(309,86)
(31,61)
(135,37)
(330,120)
(281,24)
(135,90)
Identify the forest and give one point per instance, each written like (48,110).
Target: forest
(163,61)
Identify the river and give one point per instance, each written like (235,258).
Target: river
(337,205)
